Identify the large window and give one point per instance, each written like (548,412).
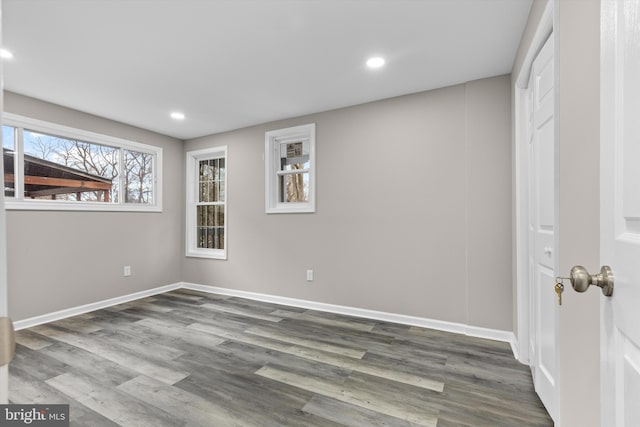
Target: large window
(206,203)
(290,169)
(48,166)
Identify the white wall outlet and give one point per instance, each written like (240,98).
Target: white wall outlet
(309,275)
(127,271)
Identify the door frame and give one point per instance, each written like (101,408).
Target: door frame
(523,315)
(608,98)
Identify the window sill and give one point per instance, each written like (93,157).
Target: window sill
(306,208)
(207,253)
(38,205)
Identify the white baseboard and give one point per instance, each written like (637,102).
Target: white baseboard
(459,328)
(515,348)
(74,311)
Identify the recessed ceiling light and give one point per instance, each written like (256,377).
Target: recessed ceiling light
(375,62)
(177,115)
(5,54)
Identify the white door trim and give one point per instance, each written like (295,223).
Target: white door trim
(544,29)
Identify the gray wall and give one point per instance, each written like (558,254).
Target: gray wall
(429,198)
(578,59)
(413,209)
(65,259)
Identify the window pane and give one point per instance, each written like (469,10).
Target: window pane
(294,155)
(8,138)
(219,220)
(57,168)
(294,188)
(211,180)
(221,164)
(210,224)
(221,183)
(138,176)
(220,237)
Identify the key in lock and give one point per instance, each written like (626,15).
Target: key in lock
(559,288)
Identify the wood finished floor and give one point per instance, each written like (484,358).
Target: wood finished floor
(186,358)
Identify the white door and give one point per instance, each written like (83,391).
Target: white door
(542,346)
(620,210)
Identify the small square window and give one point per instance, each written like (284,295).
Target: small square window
(290,169)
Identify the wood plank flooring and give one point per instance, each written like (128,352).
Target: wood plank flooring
(186,358)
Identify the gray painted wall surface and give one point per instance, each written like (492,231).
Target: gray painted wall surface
(489,203)
(63,259)
(413,209)
(408,189)
(578,60)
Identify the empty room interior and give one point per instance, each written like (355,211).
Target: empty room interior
(301,213)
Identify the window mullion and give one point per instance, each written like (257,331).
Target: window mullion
(121,183)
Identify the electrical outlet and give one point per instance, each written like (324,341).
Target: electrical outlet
(309,275)
(127,271)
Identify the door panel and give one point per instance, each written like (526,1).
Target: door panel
(546,323)
(629,382)
(545,176)
(542,227)
(620,210)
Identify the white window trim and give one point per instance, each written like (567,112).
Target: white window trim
(272,140)
(193,157)
(20,203)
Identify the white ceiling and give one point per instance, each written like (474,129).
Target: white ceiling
(228,64)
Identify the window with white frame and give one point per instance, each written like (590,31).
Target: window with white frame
(290,169)
(54,167)
(206,203)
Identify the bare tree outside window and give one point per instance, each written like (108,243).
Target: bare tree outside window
(296,187)
(293,157)
(138,177)
(87,172)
